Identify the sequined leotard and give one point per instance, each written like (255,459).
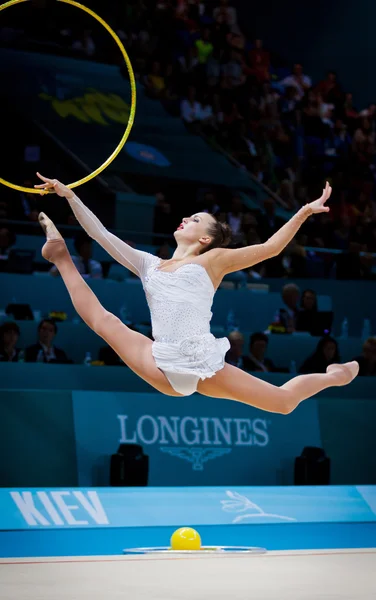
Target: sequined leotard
(180,305)
(179,301)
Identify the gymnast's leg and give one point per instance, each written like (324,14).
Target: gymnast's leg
(234,384)
(133,348)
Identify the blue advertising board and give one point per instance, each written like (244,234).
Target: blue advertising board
(192,440)
(47,509)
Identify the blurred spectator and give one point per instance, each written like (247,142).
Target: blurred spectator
(329,89)
(316,131)
(350,265)
(342,233)
(154,82)
(371,239)
(209,204)
(295,256)
(274,267)
(308,302)
(231,115)
(7,241)
(257,170)
(213,69)
(367,360)
(286,193)
(259,60)
(256,360)
(204,47)
(364,212)
(220,31)
(235,354)
(325,354)
(369,112)
(188,63)
(207,119)
(24,204)
(287,134)
(268,106)
(341,139)
(232,71)
(349,113)
(268,222)
(235,216)
(306,319)
(44,350)
(236,41)
(218,114)
(298,80)
(242,146)
(249,229)
(288,314)
(9,335)
(86,266)
(191,109)
(4,209)
(226,13)
(363,137)
(288,104)
(85,44)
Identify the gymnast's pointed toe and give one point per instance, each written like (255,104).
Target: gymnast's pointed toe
(49,228)
(55,245)
(344,373)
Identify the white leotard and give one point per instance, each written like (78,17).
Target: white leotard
(180,305)
(180,301)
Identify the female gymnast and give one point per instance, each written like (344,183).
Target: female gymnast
(185,357)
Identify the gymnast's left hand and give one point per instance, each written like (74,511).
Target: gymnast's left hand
(55,186)
(318,206)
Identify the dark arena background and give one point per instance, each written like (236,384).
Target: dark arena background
(244,110)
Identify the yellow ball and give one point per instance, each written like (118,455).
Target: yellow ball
(185,538)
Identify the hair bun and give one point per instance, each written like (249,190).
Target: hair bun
(220,234)
(226,234)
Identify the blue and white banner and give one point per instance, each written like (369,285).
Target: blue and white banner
(191,441)
(151,507)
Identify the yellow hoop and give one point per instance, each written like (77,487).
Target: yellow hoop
(133,100)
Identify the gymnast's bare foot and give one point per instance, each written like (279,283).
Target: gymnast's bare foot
(55,246)
(344,374)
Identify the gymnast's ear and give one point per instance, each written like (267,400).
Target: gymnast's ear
(206,243)
(205,240)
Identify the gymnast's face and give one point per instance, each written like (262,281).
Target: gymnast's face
(194,229)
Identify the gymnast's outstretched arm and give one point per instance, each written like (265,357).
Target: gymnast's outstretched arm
(136,261)
(229,261)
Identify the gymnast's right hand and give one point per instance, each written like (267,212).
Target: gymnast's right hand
(54,185)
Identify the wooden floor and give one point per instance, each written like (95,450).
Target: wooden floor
(304,575)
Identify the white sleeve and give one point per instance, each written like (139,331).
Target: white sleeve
(136,261)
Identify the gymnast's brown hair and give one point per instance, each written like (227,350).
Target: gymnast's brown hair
(220,234)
